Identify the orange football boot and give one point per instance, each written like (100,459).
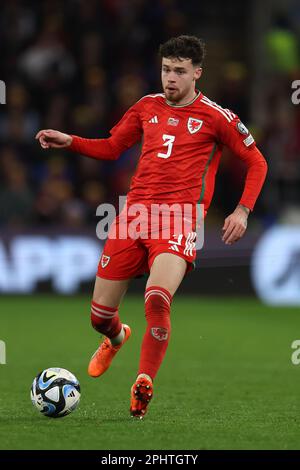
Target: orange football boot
(141,394)
(102,358)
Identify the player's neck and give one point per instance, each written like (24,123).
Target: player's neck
(187,100)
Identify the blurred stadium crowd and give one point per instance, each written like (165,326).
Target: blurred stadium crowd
(77,66)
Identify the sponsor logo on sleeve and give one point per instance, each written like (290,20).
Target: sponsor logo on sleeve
(242,128)
(249,140)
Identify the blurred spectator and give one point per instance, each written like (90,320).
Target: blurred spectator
(16,198)
(19,123)
(48,61)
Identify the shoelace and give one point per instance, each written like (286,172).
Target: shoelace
(104,345)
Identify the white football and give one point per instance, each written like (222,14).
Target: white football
(55,392)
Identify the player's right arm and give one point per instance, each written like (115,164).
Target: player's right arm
(49,138)
(126,133)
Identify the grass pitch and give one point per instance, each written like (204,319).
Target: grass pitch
(227,381)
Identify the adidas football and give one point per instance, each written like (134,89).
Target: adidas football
(55,392)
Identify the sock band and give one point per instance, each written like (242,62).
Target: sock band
(101,311)
(156,290)
(105,320)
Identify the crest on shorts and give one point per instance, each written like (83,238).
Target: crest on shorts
(194,125)
(161,334)
(104,261)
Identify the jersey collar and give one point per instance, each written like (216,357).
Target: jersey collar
(186,104)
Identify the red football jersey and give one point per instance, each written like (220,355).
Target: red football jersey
(181,150)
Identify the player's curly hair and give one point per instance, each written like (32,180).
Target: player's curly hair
(184,47)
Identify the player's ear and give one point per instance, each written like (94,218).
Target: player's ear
(197,73)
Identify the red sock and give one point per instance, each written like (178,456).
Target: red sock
(157,308)
(105,320)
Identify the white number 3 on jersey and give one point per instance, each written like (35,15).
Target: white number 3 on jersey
(168,142)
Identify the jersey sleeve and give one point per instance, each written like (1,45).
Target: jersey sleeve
(124,134)
(234,134)
(128,130)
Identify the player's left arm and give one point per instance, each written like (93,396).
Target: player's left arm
(236,136)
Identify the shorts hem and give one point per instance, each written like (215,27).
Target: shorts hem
(118,278)
(190,265)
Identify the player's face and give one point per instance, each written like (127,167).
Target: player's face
(178,78)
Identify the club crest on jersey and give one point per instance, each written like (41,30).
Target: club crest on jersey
(194,125)
(161,334)
(104,261)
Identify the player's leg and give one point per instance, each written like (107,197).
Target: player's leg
(120,261)
(107,297)
(105,319)
(168,271)
(166,274)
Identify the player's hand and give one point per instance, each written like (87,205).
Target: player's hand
(235,225)
(49,138)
